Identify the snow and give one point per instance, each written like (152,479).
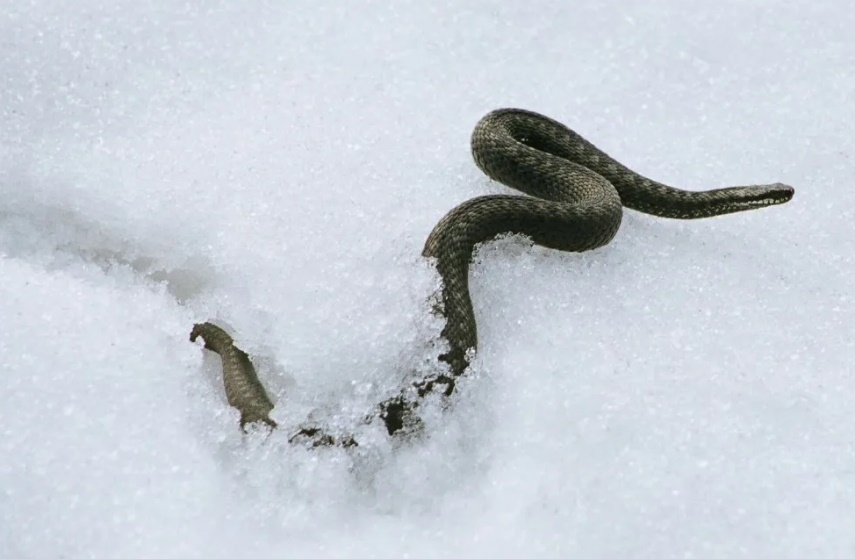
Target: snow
(683,392)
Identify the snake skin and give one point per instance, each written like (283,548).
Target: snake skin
(578,195)
(243,389)
(575,203)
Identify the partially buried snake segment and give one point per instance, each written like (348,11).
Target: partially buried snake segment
(575,203)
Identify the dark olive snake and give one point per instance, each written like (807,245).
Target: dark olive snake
(575,203)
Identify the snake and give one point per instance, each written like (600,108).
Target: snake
(573,196)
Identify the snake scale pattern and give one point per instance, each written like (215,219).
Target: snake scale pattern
(576,195)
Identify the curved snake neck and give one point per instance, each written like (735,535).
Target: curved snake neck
(576,198)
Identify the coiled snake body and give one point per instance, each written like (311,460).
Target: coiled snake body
(575,203)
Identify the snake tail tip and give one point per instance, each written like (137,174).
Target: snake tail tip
(197,331)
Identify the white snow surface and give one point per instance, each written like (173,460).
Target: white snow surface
(685,391)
